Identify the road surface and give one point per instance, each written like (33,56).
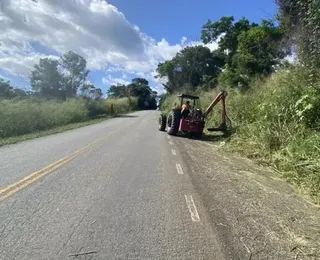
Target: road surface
(119,189)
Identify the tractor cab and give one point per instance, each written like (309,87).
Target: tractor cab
(195,106)
(193,100)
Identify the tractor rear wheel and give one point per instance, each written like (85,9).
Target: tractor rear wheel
(173,122)
(162,122)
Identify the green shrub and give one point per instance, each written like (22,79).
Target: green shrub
(97,108)
(122,105)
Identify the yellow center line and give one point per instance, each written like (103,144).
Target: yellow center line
(31,178)
(12,189)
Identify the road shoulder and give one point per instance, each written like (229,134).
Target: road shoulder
(255,212)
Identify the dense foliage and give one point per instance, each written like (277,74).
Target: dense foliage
(245,51)
(191,67)
(301,20)
(138,88)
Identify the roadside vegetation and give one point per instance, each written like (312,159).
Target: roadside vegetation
(34,117)
(273,101)
(61,97)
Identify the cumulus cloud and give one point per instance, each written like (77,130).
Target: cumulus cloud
(95,29)
(109,80)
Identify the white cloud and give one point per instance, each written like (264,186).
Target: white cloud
(109,80)
(4,77)
(21,65)
(93,28)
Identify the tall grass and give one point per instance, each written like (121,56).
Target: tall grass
(271,123)
(19,117)
(122,105)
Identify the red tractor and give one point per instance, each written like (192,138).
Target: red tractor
(193,121)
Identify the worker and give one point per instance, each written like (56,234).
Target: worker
(112,110)
(185,111)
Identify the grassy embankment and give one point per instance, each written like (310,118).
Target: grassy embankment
(30,118)
(270,126)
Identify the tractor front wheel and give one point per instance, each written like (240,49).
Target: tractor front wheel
(173,122)
(162,122)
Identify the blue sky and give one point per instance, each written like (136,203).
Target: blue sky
(174,19)
(120,39)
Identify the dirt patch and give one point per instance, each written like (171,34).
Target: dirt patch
(257,214)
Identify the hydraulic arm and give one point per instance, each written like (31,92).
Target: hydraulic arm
(220,97)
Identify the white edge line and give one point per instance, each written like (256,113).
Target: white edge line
(171,142)
(179,168)
(192,208)
(173,151)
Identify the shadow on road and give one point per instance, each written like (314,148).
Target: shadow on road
(214,137)
(211,136)
(127,116)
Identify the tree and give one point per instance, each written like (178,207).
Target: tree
(227,31)
(259,50)
(5,89)
(46,79)
(140,81)
(74,72)
(251,49)
(190,67)
(89,91)
(168,70)
(59,78)
(96,94)
(139,88)
(118,91)
(18,92)
(301,20)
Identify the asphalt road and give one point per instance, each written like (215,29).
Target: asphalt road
(119,189)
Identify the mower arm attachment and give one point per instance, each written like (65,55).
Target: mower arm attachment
(220,97)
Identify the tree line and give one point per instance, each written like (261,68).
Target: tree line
(248,50)
(60,79)
(139,88)
(67,77)
(245,50)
